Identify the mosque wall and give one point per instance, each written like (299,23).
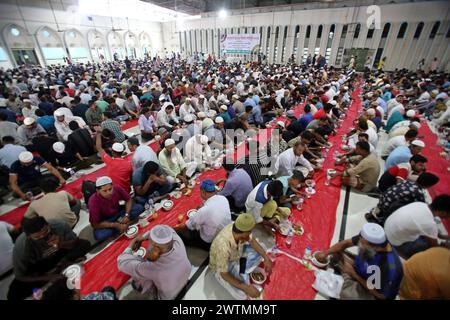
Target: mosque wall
(405,33)
(33,30)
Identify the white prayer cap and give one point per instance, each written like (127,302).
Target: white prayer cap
(345,88)
(118,147)
(52,87)
(161,234)
(332,102)
(26,156)
(201,114)
(26,100)
(188,99)
(418,143)
(410,113)
(224,107)
(162,97)
(203,139)
(201,96)
(59,147)
(28,121)
(188,118)
(169,142)
(373,233)
(281,124)
(219,120)
(415,124)
(235,96)
(212,113)
(58,113)
(387,86)
(371,112)
(102,181)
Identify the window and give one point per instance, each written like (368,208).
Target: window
(386,28)
(332,30)
(46,34)
(308,31)
(402,31)
(344,31)
(297,31)
(418,30)
(435,29)
(15,32)
(319,32)
(357,30)
(370,32)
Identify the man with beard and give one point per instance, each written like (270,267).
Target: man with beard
(375,273)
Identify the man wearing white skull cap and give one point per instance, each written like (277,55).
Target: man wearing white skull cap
(374,273)
(164,270)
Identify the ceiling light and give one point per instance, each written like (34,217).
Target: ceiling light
(223,14)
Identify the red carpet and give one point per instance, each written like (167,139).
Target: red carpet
(436,164)
(15,216)
(289,280)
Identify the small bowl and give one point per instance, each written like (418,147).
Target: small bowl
(217,165)
(310,183)
(132,231)
(259,276)
(72,272)
(284,229)
(317,263)
(177,194)
(167,205)
(191,213)
(141,252)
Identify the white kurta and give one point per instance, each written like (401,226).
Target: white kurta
(287,161)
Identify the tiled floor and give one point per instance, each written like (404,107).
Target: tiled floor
(203,285)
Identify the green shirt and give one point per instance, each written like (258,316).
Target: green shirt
(102,105)
(284,181)
(94,116)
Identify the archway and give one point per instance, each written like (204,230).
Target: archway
(51,45)
(97,45)
(131,44)
(21,45)
(116,45)
(76,44)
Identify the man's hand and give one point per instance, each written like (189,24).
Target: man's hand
(124,220)
(54,241)
(62,182)
(121,227)
(321,257)
(268,265)
(251,291)
(98,129)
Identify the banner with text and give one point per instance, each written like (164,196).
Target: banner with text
(239,43)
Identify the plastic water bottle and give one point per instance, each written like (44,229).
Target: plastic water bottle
(289,237)
(307,254)
(149,206)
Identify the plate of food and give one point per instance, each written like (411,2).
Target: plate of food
(317,263)
(284,229)
(132,231)
(141,252)
(167,205)
(177,194)
(259,276)
(298,229)
(191,213)
(72,271)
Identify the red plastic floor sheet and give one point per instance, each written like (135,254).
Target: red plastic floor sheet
(289,279)
(436,164)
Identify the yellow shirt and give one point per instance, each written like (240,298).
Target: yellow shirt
(426,275)
(224,250)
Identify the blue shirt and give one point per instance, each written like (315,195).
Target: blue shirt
(390,267)
(250,102)
(238,186)
(305,120)
(11,116)
(47,107)
(48,123)
(399,155)
(256,116)
(284,181)
(256,99)
(10,154)
(28,173)
(382,104)
(231,112)
(387,96)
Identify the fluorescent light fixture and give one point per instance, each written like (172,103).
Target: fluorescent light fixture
(223,14)
(133,9)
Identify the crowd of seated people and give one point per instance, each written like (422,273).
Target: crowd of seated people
(69,117)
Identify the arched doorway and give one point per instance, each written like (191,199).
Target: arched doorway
(21,45)
(144,40)
(76,44)
(51,45)
(97,45)
(131,43)
(116,45)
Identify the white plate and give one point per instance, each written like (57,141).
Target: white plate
(263,272)
(191,212)
(72,271)
(141,252)
(317,263)
(167,205)
(132,231)
(284,229)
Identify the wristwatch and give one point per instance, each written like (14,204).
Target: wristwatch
(127,215)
